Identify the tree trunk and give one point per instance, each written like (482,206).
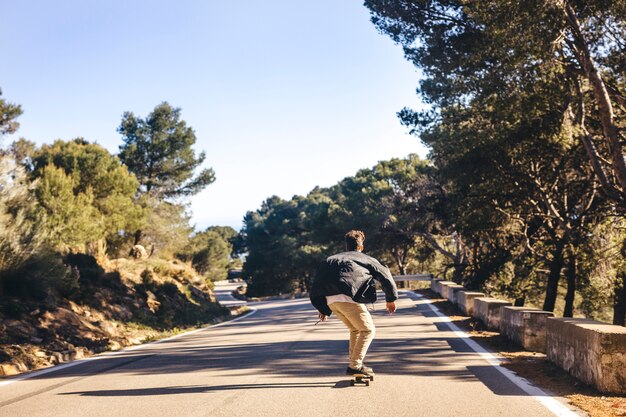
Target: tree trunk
(619,303)
(571,285)
(603,101)
(138,236)
(553,278)
(619,306)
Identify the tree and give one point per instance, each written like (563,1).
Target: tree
(70,219)
(393,203)
(8,113)
(397,203)
(487,55)
(167,230)
(22,150)
(20,232)
(213,259)
(99,180)
(281,257)
(158,151)
(211,251)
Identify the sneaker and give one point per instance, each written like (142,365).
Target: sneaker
(363,370)
(367,369)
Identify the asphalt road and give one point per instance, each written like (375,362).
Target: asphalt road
(277,362)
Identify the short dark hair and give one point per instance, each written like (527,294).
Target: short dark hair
(354,240)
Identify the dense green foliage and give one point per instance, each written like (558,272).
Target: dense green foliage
(396,204)
(526,133)
(68,208)
(86,193)
(211,251)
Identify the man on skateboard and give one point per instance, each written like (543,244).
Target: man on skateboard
(343,284)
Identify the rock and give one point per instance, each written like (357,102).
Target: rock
(134,340)
(139,252)
(153,303)
(20,329)
(56,357)
(9,370)
(114,345)
(36,340)
(69,355)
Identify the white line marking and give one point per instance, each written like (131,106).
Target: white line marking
(538,394)
(118,352)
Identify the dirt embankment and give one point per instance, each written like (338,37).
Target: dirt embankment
(117,303)
(534,366)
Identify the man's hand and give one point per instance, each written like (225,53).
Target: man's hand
(322,317)
(391,307)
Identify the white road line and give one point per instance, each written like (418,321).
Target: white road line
(117,352)
(555,406)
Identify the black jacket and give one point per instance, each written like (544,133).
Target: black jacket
(353,274)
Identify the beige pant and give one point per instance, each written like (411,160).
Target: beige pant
(362,330)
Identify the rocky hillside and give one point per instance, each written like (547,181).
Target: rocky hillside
(113,304)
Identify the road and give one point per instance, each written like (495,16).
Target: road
(277,362)
(223,294)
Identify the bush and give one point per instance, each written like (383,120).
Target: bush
(38,278)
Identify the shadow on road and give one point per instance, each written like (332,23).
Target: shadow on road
(194,389)
(404,351)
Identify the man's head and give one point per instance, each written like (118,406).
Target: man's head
(354,240)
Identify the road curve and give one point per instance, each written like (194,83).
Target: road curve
(277,362)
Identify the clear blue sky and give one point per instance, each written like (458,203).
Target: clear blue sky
(283,95)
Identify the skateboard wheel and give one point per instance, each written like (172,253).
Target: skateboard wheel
(372,378)
(367,383)
(351,383)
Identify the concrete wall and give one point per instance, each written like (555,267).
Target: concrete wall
(440,287)
(525,326)
(465,300)
(443,288)
(451,292)
(487,310)
(434,284)
(591,351)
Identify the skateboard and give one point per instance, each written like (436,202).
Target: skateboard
(361,379)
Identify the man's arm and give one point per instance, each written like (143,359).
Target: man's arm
(382,274)
(317,294)
(320,305)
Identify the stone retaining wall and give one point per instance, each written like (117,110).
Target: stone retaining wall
(434,284)
(525,326)
(453,290)
(465,300)
(591,351)
(440,287)
(487,310)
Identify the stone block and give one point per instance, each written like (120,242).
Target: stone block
(465,300)
(434,284)
(488,310)
(591,351)
(525,326)
(451,292)
(441,287)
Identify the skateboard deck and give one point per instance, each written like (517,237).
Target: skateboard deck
(361,379)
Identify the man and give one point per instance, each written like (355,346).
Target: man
(343,284)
